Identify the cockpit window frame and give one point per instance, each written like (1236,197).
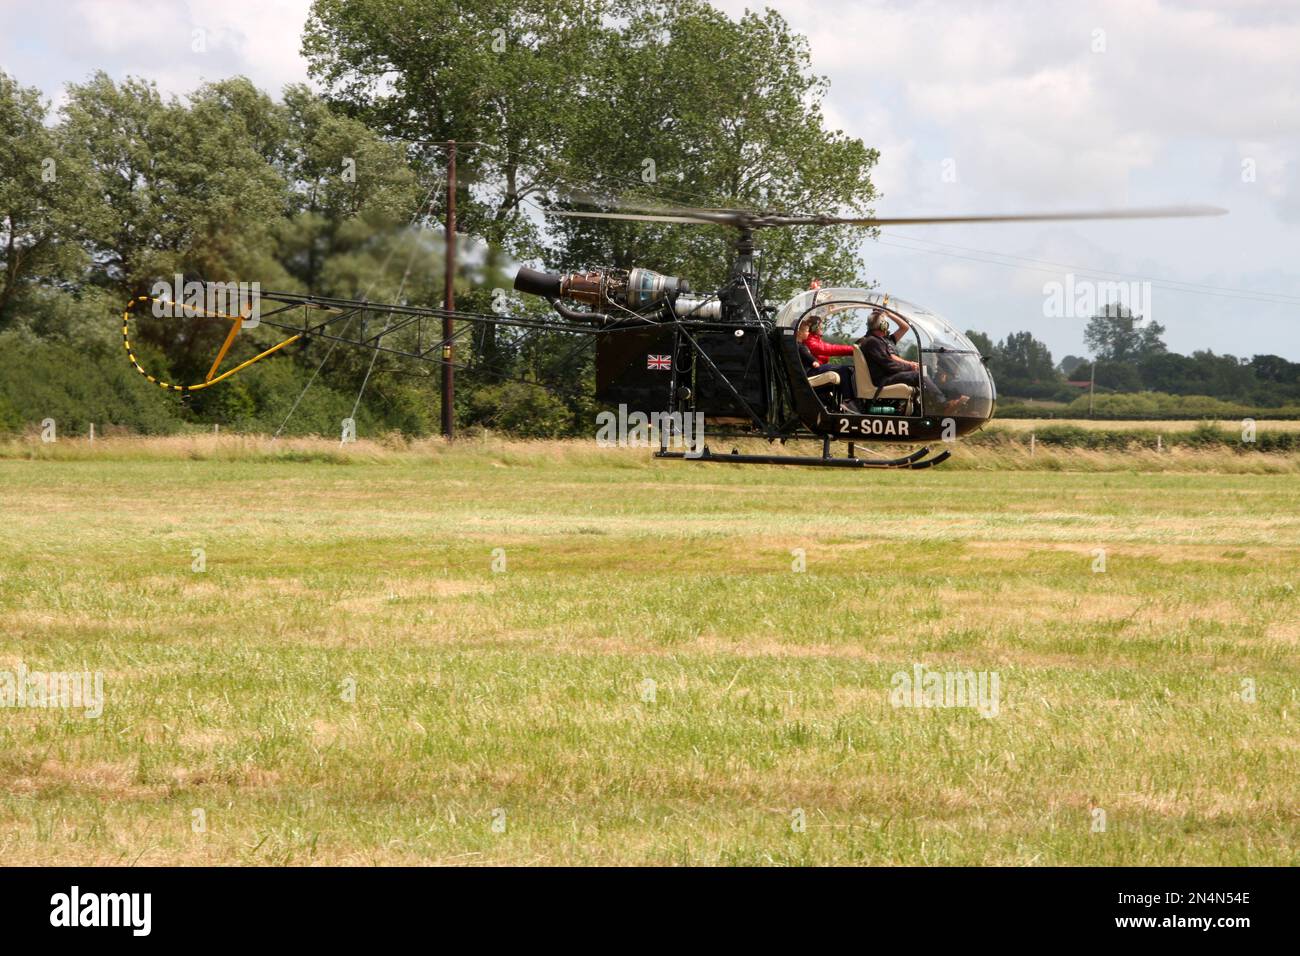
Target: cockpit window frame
(917,318)
(920,349)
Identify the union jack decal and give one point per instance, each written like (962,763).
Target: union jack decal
(663,363)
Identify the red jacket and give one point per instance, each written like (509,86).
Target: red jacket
(823,350)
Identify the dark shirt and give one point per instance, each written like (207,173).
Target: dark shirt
(881,355)
(805,354)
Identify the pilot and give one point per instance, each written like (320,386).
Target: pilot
(812,366)
(887,367)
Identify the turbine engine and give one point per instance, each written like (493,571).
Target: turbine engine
(618,289)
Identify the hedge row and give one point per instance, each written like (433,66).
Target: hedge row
(1205,435)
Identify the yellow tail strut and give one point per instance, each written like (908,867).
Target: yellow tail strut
(225,346)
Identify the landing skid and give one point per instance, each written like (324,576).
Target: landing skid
(915,460)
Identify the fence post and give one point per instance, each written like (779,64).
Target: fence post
(1031,443)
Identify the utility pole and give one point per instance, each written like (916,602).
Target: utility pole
(1092,383)
(449,302)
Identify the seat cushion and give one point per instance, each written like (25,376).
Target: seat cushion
(862,375)
(867,388)
(895,391)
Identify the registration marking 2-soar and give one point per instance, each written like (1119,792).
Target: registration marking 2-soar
(873,426)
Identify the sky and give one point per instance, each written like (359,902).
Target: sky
(974,107)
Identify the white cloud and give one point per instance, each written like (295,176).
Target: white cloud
(1032,118)
(179,44)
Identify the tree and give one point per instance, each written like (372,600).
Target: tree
(46,199)
(735,120)
(1116,334)
(1114,376)
(1274,368)
(553,100)
(182,191)
(1169,372)
(1220,376)
(131,187)
(503,78)
(981,342)
(1020,364)
(1070,364)
(347,186)
(1023,356)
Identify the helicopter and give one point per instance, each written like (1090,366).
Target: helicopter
(729,359)
(733,358)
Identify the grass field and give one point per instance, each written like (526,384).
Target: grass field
(1231,426)
(645,678)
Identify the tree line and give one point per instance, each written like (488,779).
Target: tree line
(1130,356)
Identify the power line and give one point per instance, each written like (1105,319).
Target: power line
(1131,275)
(1170,285)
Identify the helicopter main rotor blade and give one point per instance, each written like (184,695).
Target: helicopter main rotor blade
(625,208)
(743,219)
(625,217)
(1152,212)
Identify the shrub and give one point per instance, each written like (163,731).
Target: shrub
(520,409)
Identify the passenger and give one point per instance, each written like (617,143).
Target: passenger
(812,366)
(822,350)
(887,367)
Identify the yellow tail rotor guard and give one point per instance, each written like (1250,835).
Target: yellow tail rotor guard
(237,322)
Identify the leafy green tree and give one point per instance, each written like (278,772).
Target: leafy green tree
(669,101)
(1116,334)
(981,342)
(716,112)
(184,191)
(1069,365)
(347,186)
(502,78)
(1168,372)
(1221,376)
(1022,356)
(1112,376)
(1020,364)
(1277,379)
(46,200)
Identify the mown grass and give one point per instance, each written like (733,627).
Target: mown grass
(1262,426)
(1060,446)
(524,691)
